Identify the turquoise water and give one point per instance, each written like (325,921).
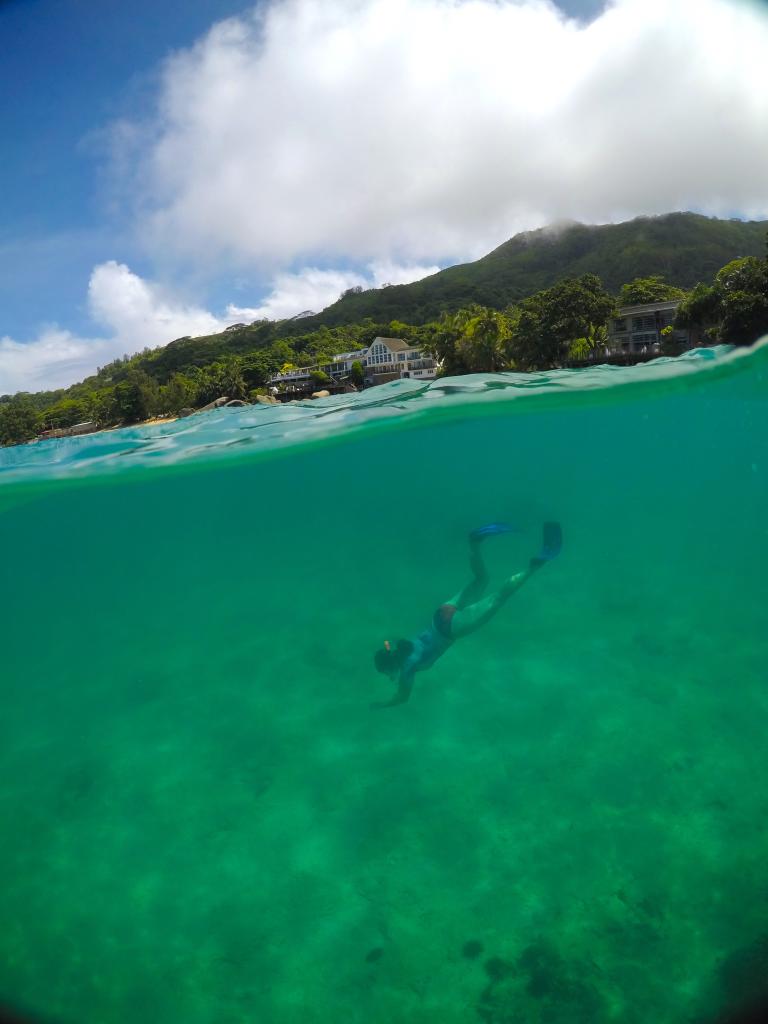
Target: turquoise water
(203,820)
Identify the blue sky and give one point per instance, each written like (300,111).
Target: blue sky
(263,174)
(69,68)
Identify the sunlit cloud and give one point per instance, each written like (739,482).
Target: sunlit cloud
(311,290)
(134,313)
(312,132)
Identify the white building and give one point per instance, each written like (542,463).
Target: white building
(384,359)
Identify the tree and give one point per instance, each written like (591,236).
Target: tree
(648,289)
(734,309)
(283,352)
(356,373)
(19,420)
(743,289)
(594,339)
(441,341)
(483,343)
(320,377)
(397,329)
(547,323)
(66,412)
(232,379)
(257,368)
(137,397)
(700,310)
(104,407)
(179,393)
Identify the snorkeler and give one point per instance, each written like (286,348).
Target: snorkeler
(462,615)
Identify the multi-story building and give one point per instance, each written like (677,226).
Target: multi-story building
(637,329)
(384,359)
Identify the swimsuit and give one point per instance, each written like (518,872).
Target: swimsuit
(429,645)
(441,620)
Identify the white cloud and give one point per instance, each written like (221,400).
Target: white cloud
(136,313)
(54,359)
(412,130)
(140,313)
(312,289)
(389,135)
(387,272)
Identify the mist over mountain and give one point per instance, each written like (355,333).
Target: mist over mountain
(682,247)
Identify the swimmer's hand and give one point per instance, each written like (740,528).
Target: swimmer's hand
(404,687)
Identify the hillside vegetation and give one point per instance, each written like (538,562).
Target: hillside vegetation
(684,248)
(539,300)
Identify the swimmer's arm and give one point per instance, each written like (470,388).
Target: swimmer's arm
(404,687)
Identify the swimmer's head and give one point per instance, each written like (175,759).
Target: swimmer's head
(389,661)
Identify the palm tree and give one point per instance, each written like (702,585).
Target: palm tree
(595,338)
(483,344)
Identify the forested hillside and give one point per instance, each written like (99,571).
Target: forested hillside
(684,248)
(542,299)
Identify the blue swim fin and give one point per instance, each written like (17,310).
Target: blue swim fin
(552,542)
(491,530)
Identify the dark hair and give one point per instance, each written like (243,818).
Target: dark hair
(386,660)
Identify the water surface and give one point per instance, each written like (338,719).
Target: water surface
(203,820)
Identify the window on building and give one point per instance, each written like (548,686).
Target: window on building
(644,323)
(620,325)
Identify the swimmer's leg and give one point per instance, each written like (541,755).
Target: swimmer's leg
(467,619)
(470,617)
(475,589)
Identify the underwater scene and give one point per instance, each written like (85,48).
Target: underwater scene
(204,818)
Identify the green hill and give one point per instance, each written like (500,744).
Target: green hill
(683,247)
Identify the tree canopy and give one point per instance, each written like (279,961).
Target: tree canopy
(734,309)
(563,322)
(548,323)
(648,289)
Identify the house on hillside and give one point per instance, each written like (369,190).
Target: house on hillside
(385,359)
(390,358)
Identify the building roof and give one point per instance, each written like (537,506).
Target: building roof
(393,344)
(649,307)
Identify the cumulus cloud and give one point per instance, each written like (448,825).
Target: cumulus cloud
(433,129)
(136,314)
(140,313)
(390,135)
(54,359)
(312,289)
